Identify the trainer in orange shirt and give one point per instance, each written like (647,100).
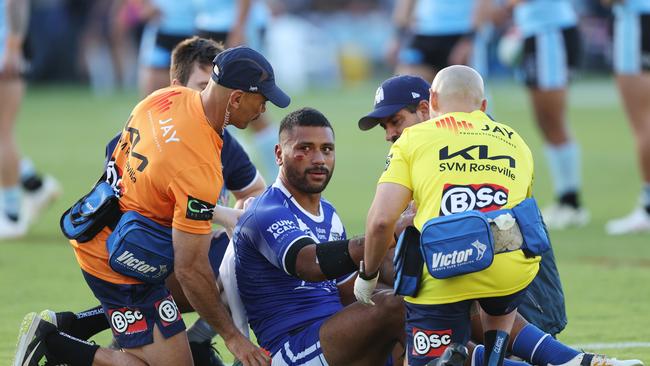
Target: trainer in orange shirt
(167,167)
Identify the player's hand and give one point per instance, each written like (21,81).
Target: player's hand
(12,62)
(235,37)
(365,286)
(226,217)
(246,352)
(406,218)
(392,52)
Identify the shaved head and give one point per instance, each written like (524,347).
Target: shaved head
(457,88)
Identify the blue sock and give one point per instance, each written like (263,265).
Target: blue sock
(479,353)
(27,169)
(646,196)
(11,198)
(539,348)
(564,164)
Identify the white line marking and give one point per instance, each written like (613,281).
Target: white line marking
(613,345)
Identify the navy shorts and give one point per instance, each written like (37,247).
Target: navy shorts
(301,348)
(431,328)
(217,251)
(133,310)
(432,51)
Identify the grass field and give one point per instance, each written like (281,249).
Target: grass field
(606,279)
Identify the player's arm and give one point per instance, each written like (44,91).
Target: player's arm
(17,18)
(254,189)
(314,262)
(236,34)
(390,201)
(197,280)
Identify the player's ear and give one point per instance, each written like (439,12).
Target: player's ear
(483,105)
(176,82)
(236,98)
(423,110)
(433,102)
(278,154)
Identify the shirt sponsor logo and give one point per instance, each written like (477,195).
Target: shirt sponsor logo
(198,209)
(475,152)
(430,343)
(481,197)
(451,124)
(280,227)
(128,259)
(168,311)
(388,158)
(127,321)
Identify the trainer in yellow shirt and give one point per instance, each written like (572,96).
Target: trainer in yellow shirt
(458,161)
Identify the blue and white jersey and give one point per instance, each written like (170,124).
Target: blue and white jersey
(176,17)
(220,15)
(632,6)
(538,16)
(276,302)
(443,17)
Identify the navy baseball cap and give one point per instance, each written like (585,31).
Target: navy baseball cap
(245,69)
(393,95)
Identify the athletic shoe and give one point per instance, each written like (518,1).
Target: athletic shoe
(204,354)
(35,202)
(454,355)
(591,359)
(636,222)
(12,229)
(50,317)
(30,347)
(560,216)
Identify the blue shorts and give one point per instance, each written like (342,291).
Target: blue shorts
(156,47)
(431,328)
(133,310)
(631,42)
(302,348)
(217,251)
(549,57)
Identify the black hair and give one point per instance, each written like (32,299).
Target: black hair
(304,117)
(189,51)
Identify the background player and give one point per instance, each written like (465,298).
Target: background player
(168,23)
(632,67)
(294,262)
(551,52)
(23,193)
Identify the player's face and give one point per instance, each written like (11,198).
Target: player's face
(395,124)
(199,77)
(307,158)
(250,107)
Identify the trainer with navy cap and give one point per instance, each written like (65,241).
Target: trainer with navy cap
(400,102)
(178,167)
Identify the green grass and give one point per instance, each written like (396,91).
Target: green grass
(606,279)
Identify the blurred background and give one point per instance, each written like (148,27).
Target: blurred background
(85,72)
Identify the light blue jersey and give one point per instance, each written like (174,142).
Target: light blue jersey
(539,16)
(276,302)
(443,17)
(3,27)
(219,15)
(176,17)
(637,6)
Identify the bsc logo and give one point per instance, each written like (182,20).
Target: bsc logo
(125,320)
(481,197)
(430,343)
(168,311)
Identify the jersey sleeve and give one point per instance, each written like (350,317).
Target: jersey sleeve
(397,168)
(238,170)
(279,230)
(195,192)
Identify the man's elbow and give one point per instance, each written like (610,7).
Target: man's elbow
(380,224)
